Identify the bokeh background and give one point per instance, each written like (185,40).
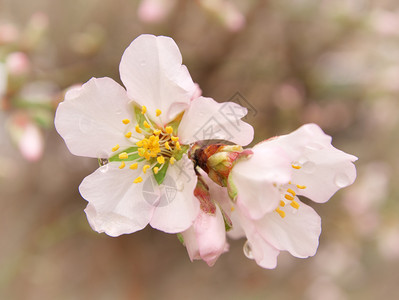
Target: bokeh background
(335,63)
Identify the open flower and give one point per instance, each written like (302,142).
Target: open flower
(144,133)
(266,186)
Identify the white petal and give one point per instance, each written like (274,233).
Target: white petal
(176,205)
(264,254)
(116,204)
(298,232)
(90,118)
(207,119)
(257,178)
(152,71)
(206,239)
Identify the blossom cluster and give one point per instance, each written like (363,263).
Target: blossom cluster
(160,166)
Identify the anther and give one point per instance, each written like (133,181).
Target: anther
(125,121)
(157,132)
(145,168)
(282,203)
(291,192)
(295,204)
(123,155)
(158,112)
(172,160)
(156,169)
(174,138)
(133,166)
(138,129)
(169,129)
(296,167)
(178,146)
(143,109)
(167,145)
(141,151)
(160,159)
(138,179)
(122,165)
(115,148)
(232,208)
(146,125)
(301,187)
(280,212)
(288,197)
(128,135)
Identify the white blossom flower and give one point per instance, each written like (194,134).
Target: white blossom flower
(144,133)
(267,185)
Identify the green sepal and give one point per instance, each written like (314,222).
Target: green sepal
(133,156)
(176,122)
(180,238)
(228,224)
(179,154)
(140,118)
(162,172)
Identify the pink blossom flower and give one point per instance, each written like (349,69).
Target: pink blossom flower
(18,63)
(144,132)
(3,80)
(266,187)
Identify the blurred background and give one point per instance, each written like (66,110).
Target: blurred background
(335,63)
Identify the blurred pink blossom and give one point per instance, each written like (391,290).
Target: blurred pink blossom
(17,63)
(155,11)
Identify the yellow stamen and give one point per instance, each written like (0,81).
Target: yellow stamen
(296,167)
(291,192)
(128,135)
(115,148)
(138,179)
(125,121)
(156,169)
(167,145)
(178,146)
(295,204)
(232,208)
(282,203)
(122,165)
(288,197)
(157,132)
(169,129)
(174,138)
(139,143)
(147,156)
(145,168)
(280,212)
(158,112)
(160,159)
(146,125)
(301,187)
(123,155)
(138,129)
(172,160)
(141,151)
(133,166)
(143,109)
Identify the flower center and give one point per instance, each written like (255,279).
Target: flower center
(156,146)
(289,195)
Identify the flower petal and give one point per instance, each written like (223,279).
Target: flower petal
(116,205)
(152,71)
(298,232)
(255,179)
(3,80)
(90,118)
(206,239)
(207,119)
(176,205)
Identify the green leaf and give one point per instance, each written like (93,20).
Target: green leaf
(133,156)
(162,172)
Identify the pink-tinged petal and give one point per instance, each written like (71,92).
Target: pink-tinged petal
(298,232)
(3,80)
(257,247)
(207,119)
(236,232)
(155,11)
(31,143)
(116,204)
(152,71)
(324,172)
(176,205)
(90,118)
(206,239)
(257,178)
